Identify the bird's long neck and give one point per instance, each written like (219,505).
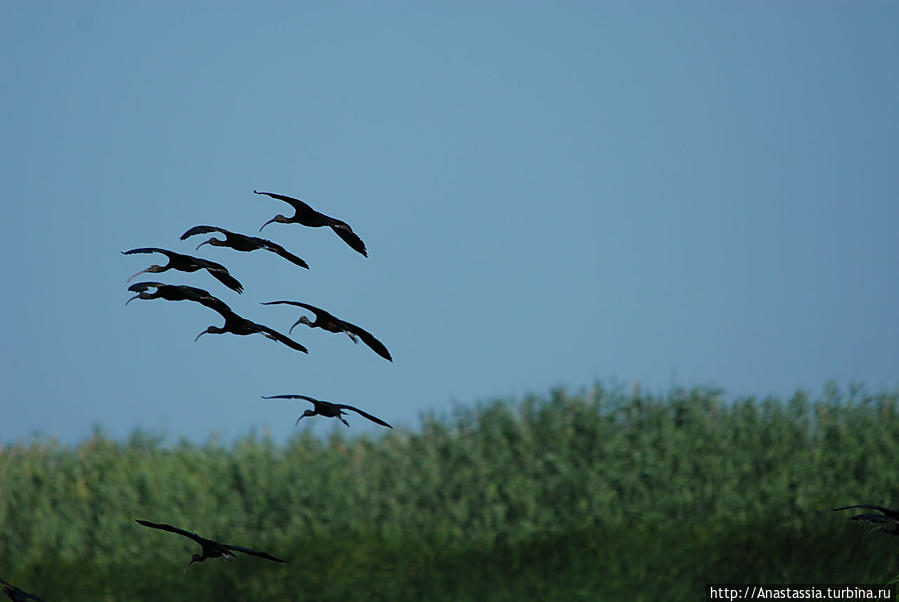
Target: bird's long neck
(302,320)
(151,269)
(278,218)
(143,296)
(197,558)
(212,241)
(211,330)
(308,413)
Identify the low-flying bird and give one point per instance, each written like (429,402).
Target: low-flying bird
(211,548)
(331,323)
(186,263)
(16,594)
(233,323)
(307,216)
(242,242)
(888,522)
(326,408)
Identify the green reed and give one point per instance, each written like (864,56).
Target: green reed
(595,495)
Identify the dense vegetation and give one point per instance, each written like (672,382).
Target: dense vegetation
(599,496)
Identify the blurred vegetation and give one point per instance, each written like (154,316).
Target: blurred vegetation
(594,496)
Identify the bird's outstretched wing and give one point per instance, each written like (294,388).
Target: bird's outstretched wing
(277,336)
(252,552)
(165,252)
(171,529)
(874,518)
(141,287)
(276,248)
(306,397)
(369,339)
(365,414)
(23,595)
(221,273)
(203,230)
(344,231)
(300,206)
(893,514)
(216,304)
(319,313)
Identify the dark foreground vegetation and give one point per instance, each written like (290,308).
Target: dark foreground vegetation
(596,496)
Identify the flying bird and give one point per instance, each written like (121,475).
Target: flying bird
(211,549)
(233,323)
(888,522)
(16,594)
(331,410)
(242,242)
(186,263)
(331,323)
(307,216)
(175,292)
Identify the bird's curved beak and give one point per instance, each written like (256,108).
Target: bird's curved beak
(132,298)
(294,325)
(300,418)
(195,340)
(265,224)
(188,565)
(138,274)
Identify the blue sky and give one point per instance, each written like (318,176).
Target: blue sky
(552,194)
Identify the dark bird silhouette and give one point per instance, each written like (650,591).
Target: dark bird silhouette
(233,323)
(331,323)
(888,522)
(16,594)
(211,549)
(242,242)
(186,263)
(307,216)
(331,410)
(175,292)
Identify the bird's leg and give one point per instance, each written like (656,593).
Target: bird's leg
(352,336)
(341,418)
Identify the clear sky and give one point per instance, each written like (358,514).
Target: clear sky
(552,194)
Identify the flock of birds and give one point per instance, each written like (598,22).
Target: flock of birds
(887,521)
(235,324)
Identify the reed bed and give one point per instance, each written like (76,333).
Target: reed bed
(596,495)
